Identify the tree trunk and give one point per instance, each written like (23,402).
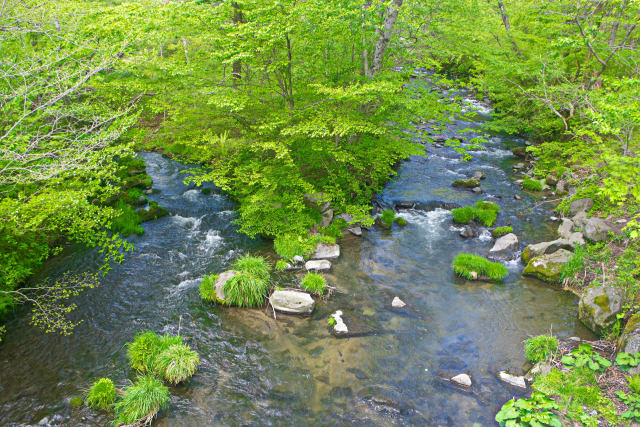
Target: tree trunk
(384,36)
(507,26)
(237,18)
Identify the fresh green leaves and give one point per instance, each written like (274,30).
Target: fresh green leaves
(534,411)
(585,356)
(627,361)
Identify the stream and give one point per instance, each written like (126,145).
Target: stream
(257,370)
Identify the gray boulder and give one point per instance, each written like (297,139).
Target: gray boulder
(599,307)
(468,231)
(223,278)
(319,265)
(548,267)
(356,231)
(298,259)
(327,217)
(565,229)
(580,219)
(293,302)
(596,230)
(345,217)
(629,341)
(324,251)
(543,248)
(580,205)
(504,247)
(512,379)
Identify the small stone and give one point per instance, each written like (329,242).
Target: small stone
(519,166)
(466,183)
(621,221)
(477,190)
(327,217)
(356,231)
(474,275)
(340,328)
(505,245)
(397,303)
(462,379)
(517,197)
(298,259)
(479,175)
(324,251)
(468,231)
(580,219)
(319,265)
(512,379)
(148,191)
(564,230)
(44,421)
(293,302)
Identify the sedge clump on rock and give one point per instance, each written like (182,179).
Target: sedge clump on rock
(102,394)
(465,265)
(141,402)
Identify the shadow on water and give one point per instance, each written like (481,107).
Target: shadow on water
(291,371)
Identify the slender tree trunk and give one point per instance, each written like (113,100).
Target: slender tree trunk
(237,18)
(384,35)
(365,53)
(507,26)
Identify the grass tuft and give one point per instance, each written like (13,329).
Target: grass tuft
(539,348)
(315,283)
(141,402)
(532,184)
(245,290)
(146,347)
(387,217)
(501,231)
(127,221)
(485,212)
(464,215)
(102,394)
(464,264)
(207,288)
(281,265)
(177,363)
(254,265)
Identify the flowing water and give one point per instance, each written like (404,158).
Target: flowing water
(257,370)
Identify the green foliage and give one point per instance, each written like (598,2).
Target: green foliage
(208,288)
(627,361)
(127,221)
(154,211)
(464,264)
(102,394)
(141,402)
(331,321)
(335,229)
(387,217)
(485,212)
(532,184)
(177,363)
(401,221)
(632,400)
(540,347)
(538,410)
(253,265)
(314,282)
(575,264)
(281,265)
(245,290)
(290,245)
(501,231)
(146,347)
(585,356)
(634,382)
(464,215)
(578,393)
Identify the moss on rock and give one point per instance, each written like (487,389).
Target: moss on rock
(548,267)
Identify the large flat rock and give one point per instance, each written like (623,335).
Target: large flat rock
(324,251)
(293,302)
(321,264)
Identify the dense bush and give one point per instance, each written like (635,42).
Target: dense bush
(464,264)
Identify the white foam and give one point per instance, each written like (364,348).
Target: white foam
(191,195)
(212,240)
(485,235)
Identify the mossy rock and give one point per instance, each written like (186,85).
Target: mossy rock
(466,183)
(142,181)
(155,211)
(599,307)
(629,340)
(76,401)
(401,221)
(548,267)
(501,231)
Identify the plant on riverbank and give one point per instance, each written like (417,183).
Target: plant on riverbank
(245,290)
(146,347)
(538,410)
(627,361)
(485,212)
(501,231)
(466,264)
(532,184)
(585,356)
(632,400)
(290,245)
(102,394)
(177,363)
(315,283)
(127,221)
(208,288)
(253,265)
(281,265)
(141,402)
(540,347)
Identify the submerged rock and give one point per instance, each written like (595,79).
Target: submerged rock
(324,251)
(478,175)
(468,231)
(339,328)
(223,278)
(599,307)
(581,205)
(512,379)
(462,379)
(504,247)
(596,230)
(321,264)
(290,301)
(548,267)
(356,231)
(397,303)
(466,183)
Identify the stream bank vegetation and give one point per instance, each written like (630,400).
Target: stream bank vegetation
(484,212)
(474,267)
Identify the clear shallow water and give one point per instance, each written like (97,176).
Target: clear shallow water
(260,371)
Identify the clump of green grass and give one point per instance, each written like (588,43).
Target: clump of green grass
(102,394)
(501,231)
(539,348)
(335,229)
(207,288)
(146,347)
(532,184)
(245,290)
(464,264)
(281,265)
(127,221)
(315,283)
(177,363)
(485,212)
(253,265)
(141,402)
(290,245)
(387,217)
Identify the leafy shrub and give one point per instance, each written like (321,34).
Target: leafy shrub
(290,245)
(464,215)
(146,347)
(207,288)
(464,264)
(532,184)
(141,402)
(314,282)
(281,265)
(539,348)
(501,231)
(253,265)
(535,411)
(335,229)
(387,217)
(127,221)
(177,363)
(245,290)
(632,400)
(102,394)
(585,356)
